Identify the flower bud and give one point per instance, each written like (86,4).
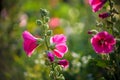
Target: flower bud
(58,68)
(39,22)
(50,56)
(49,32)
(43,12)
(104,15)
(47,19)
(61,77)
(46,26)
(51,74)
(92,32)
(64,63)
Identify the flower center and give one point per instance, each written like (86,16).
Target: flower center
(102,42)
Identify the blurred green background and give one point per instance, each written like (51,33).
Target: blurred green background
(76,18)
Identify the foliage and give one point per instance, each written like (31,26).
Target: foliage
(76,19)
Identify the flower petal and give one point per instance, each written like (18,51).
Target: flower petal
(58,39)
(64,63)
(27,35)
(96,4)
(62,48)
(58,53)
(30,43)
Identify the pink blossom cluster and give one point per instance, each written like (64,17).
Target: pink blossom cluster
(102,42)
(97,5)
(60,48)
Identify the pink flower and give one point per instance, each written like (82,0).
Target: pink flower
(104,15)
(60,45)
(103,42)
(54,22)
(30,43)
(97,4)
(64,63)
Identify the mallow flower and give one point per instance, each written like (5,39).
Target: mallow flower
(59,43)
(64,63)
(30,43)
(103,42)
(97,4)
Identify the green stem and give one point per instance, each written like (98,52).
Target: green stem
(46,43)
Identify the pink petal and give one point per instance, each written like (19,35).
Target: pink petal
(27,35)
(95,45)
(62,48)
(58,53)
(29,47)
(58,39)
(30,43)
(96,4)
(64,63)
(110,39)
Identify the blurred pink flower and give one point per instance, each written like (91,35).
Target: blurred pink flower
(30,43)
(54,22)
(104,15)
(60,45)
(103,42)
(64,63)
(97,4)
(23,20)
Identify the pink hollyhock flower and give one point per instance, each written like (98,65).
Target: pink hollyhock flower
(97,4)
(103,42)
(64,63)
(50,56)
(54,22)
(30,43)
(59,42)
(104,15)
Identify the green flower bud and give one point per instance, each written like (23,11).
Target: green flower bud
(51,73)
(49,32)
(56,73)
(61,77)
(46,26)
(47,19)
(39,22)
(43,12)
(58,68)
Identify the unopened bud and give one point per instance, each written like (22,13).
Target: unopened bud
(58,68)
(92,31)
(50,56)
(49,32)
(47,19)
(39,22)
(46,26)
(61,77)
(43,12)
(104,15)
